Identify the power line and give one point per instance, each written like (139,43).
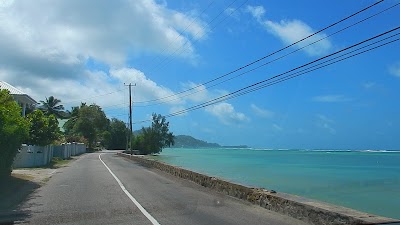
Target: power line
(257,86)
(200,85)
(225,97)
(271,61)
(274,82)
(306,71)
(94,96)
(259,59)
(266,56)
(304,65)
(318,66)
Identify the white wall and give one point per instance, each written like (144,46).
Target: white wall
(65,151)
(34,156)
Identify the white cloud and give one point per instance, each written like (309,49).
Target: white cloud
(261,112)
(106,90)
(291,31)
(145,88)
(295,30)
(331,98)
(325,123)
(46,45)
(199,93)
(71,31)
(196,28)
(256,11)
(226,113)
(277,127)
(394,69)
(70,91)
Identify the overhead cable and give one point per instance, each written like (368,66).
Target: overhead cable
(266,56)
(273,80)
(203,88)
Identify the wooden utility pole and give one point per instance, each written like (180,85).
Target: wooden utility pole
(130,115)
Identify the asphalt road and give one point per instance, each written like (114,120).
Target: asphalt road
(86,192)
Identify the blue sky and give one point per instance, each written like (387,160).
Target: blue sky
(84,51)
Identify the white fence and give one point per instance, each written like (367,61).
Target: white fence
(34,156)
(65,151)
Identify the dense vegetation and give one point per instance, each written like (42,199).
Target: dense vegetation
(154,138)
(89,124)
(13,131)
(43,130)
(86,123)
(116,137)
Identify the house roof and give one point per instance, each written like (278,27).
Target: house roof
(16,93)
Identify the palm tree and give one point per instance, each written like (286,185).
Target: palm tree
(72,117)
(52,107)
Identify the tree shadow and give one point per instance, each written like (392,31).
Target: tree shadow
(13,192)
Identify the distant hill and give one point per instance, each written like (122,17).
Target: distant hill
(186,141)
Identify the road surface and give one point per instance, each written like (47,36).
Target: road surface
(103,188)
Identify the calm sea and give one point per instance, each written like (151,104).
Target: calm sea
(364,180)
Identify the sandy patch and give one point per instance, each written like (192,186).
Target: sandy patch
(37,175)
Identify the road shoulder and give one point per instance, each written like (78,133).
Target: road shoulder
(22,183)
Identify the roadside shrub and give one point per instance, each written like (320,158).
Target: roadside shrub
(13,131)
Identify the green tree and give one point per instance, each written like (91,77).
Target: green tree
(73,116)
(153,139)
(43,129)
(105,139)
(13,131)
(90,122)
(52,107)
(118,134)
(138,142)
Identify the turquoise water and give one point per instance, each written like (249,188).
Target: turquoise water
(364,180)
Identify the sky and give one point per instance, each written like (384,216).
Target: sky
(86,51)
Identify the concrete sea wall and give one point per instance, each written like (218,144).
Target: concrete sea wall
(304,209)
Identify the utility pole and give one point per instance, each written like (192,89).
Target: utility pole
(130,115)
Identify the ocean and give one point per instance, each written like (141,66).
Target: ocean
(365,180)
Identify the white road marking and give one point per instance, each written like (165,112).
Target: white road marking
(143,210)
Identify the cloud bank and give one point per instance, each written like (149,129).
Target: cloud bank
(46,45)
(291,31)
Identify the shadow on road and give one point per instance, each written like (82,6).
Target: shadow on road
(14,190)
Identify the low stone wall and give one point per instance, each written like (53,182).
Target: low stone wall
(307,210)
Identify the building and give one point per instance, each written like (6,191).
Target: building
(23,99)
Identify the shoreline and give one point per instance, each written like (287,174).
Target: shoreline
(308,210)
(364,181)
